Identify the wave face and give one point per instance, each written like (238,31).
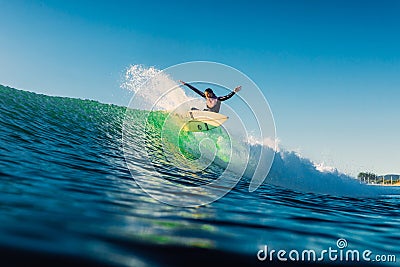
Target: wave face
(66,191)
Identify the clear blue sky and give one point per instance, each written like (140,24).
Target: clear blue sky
(329,69)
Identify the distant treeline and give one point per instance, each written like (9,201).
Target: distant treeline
(369,177)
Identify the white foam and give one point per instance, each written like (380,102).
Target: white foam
(153,89)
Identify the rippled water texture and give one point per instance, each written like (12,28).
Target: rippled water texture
(67,198)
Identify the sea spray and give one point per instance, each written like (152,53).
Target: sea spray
(156,84)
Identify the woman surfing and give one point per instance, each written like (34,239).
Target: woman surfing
(213,102)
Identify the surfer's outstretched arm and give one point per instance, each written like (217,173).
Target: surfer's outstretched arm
(193,88)
(226,97)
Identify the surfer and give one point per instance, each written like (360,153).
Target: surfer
(213,102)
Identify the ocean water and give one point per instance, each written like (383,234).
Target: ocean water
(67,197)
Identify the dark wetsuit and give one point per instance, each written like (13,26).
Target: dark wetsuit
(218,100)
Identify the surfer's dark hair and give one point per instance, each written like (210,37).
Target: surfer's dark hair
(209,90)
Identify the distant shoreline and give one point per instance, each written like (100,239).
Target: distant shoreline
(384,180)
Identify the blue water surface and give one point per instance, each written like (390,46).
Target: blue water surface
(67,198)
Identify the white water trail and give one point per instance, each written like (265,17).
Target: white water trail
(153,88)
